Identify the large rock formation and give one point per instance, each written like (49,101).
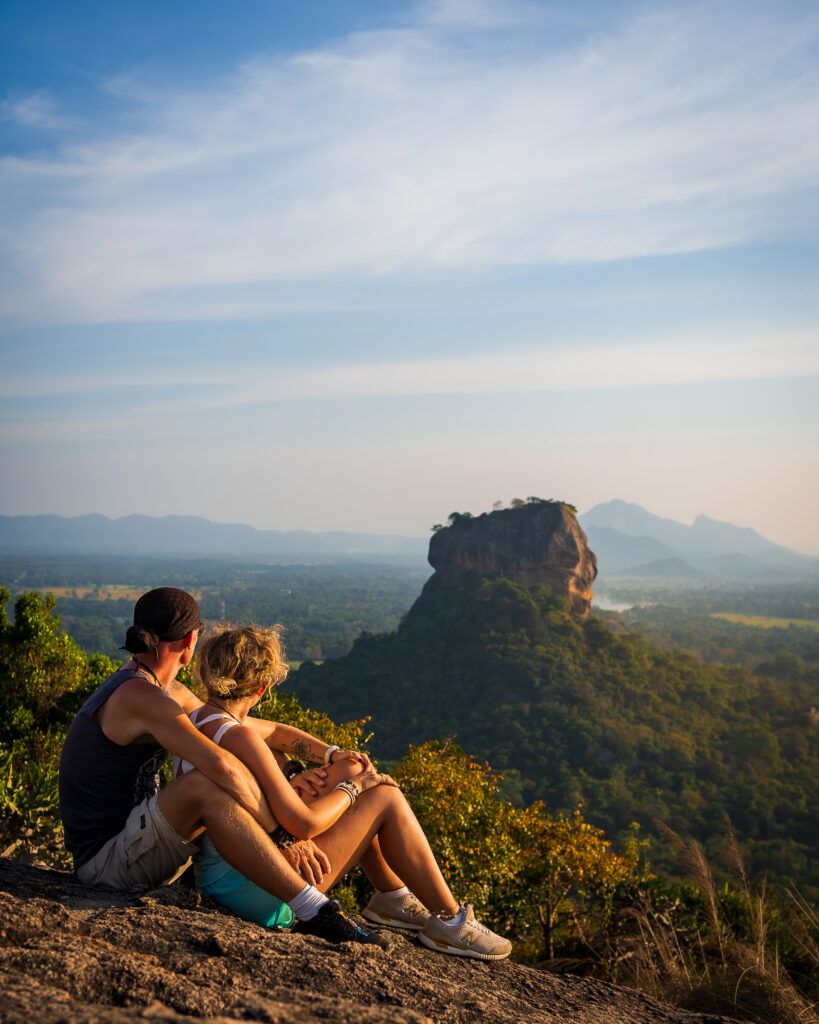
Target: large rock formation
(75,955)
(540,542)
(467,659)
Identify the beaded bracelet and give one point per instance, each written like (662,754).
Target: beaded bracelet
(350,789)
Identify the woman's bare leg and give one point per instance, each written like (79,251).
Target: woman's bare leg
(372,861)
(376,868)
(384,813)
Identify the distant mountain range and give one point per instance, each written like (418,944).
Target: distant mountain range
(627,539)
(631,541)
(192,536)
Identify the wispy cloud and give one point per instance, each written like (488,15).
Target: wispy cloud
(36,110)
(582,367)
(405,152)
(481,14)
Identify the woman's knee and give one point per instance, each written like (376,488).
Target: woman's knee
(390,798)
(341,771)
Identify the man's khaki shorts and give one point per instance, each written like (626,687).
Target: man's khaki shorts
(147,853)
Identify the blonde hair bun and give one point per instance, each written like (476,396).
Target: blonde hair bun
(238,661)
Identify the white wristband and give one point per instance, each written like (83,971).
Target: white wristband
(328,754)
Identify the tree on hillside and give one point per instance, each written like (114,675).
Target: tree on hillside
(564,856)
(44,674)
(510,862)
(44,678)
(468,826)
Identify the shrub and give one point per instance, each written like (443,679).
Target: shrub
(44,678)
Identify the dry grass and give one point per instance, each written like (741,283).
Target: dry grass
(721,972)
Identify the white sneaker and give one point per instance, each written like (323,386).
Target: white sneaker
(466,938)
(406,912)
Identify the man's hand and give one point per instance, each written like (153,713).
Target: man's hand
(307,860)
(310,783)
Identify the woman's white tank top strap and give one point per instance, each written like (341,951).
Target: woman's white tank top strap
(182,767)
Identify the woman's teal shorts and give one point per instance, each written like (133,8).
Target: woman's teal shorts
(237,893)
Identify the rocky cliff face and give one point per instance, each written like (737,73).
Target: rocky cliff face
(541,542)
(75,955)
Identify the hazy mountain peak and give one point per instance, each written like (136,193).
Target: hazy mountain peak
(703,522)
(625,535)
(743,540)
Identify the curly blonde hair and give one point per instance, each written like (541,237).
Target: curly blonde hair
(237,661)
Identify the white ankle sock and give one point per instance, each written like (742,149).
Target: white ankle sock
(397,893)
(307,903)
(459,918)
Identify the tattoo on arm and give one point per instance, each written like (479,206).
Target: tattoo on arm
(302,749)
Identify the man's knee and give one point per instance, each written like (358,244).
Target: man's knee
(194,789)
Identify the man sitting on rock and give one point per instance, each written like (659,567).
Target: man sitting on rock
(124,833)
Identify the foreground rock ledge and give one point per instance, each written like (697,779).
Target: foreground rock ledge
(73,954)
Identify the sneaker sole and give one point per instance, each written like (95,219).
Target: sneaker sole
(445,947)
(390,922)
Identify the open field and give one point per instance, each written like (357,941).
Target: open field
(107,592)
(323,607)
(764,621)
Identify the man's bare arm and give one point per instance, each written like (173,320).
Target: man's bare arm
(139,708)
(289,740)
(183,696)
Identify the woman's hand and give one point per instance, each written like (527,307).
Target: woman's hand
(311,783)
(307,860)
(356,756)
(371,778)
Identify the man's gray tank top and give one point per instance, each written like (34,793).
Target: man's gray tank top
(102,781)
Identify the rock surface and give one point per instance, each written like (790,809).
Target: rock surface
(69,953)
(541,542)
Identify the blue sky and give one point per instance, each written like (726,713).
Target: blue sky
(354,265)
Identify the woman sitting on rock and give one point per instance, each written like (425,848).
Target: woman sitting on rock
(362,819)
